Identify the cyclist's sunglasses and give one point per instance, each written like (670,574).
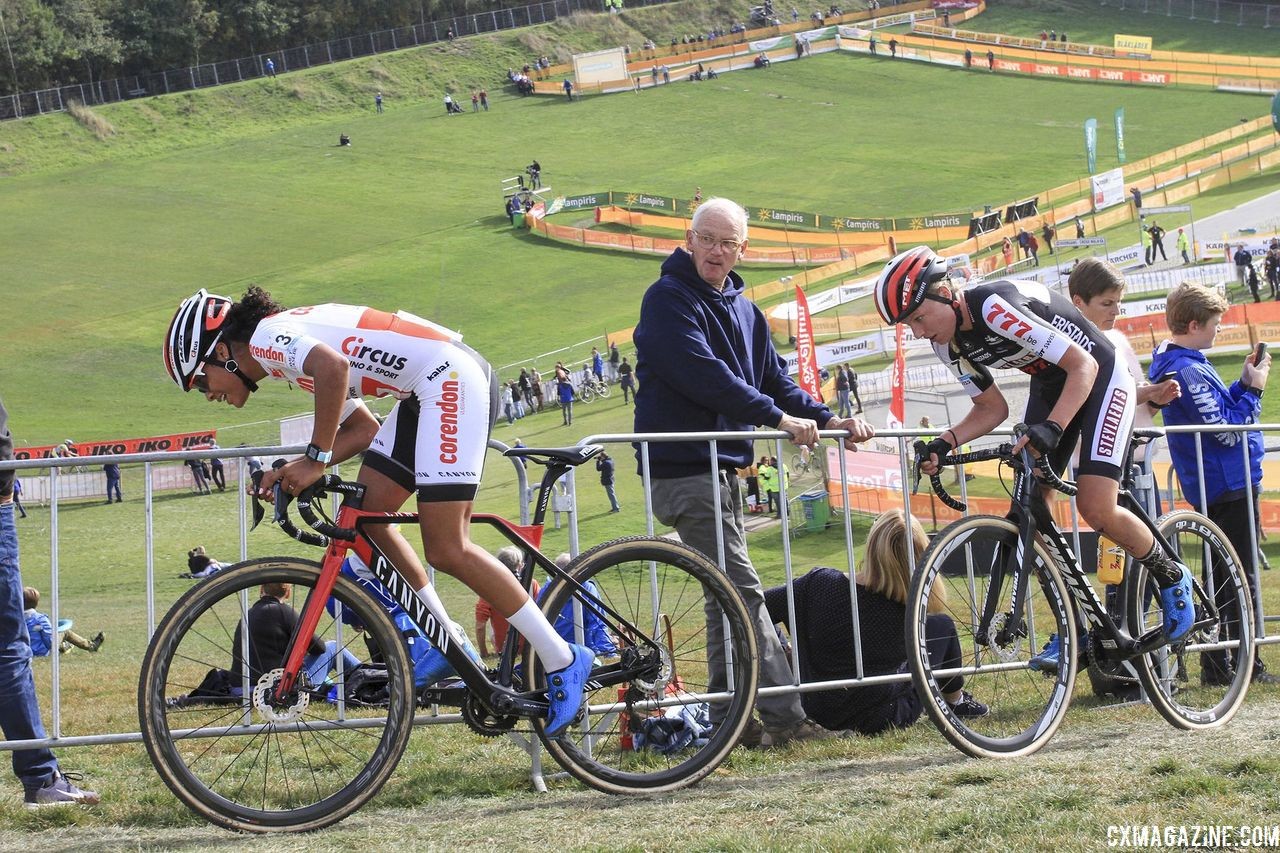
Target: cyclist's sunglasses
(199,381)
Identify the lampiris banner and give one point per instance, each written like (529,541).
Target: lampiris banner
(154,444)
(773,216)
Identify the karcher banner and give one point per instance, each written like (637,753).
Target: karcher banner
(1140,45)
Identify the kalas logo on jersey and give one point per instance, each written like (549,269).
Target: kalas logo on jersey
(448,405)
(356,348)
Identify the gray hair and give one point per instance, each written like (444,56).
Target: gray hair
(731,210)
(563,559)
(511,557)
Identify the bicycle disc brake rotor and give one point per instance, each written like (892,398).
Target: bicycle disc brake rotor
(483,721)
(1003,653)
(275,713)
(665,670)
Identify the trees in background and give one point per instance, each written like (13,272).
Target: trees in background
(60,42)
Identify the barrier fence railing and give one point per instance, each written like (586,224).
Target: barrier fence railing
(1216,11)
(273,63)
(860,495)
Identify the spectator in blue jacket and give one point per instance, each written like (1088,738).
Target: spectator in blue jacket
(595,635)
(705,362)
(1228,493)
(597,364)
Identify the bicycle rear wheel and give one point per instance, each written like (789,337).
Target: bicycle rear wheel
(970,563)
(602,389)
(706,645)
(1200,681)
(256,764)
(586,393)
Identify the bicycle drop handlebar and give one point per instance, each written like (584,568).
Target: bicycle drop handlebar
(1004,453)
(326,530)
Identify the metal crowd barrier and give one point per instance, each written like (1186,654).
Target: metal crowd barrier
(900,440)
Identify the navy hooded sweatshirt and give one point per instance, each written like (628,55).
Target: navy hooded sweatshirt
(705,363)
(1206,400)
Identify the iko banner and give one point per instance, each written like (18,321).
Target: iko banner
(154,444)
(1091,144)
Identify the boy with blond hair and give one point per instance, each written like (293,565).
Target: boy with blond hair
(1228,491)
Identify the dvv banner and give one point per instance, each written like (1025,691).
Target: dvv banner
(1120,134)
(1091,143)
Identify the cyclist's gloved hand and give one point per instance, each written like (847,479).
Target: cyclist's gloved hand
(1044,436)
(939,447)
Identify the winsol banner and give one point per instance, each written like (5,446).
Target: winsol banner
(1107,188)
(807,358)
(154,444)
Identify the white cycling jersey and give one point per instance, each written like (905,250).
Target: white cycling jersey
(435,437)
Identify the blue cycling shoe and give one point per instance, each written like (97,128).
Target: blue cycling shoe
(1179,607)
(564,690)
(1050,656)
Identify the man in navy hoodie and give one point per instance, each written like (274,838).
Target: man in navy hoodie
(1193,313)
(705,362)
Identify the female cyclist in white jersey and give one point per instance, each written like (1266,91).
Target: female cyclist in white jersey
(433,442)
(1077,389)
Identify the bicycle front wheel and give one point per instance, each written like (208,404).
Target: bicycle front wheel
(658,731)
(244,758)
(969,569)
(1200,681)
(602,388)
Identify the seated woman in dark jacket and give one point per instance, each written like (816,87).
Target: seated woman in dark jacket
(825,639)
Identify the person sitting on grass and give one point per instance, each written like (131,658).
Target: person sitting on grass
(200,564)
(40,629)
(825,639)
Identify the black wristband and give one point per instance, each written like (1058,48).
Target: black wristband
(1256,391)
(315,453)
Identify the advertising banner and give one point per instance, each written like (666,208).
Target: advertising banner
(897,404)
(1107,189)
(807,361)
(655,202)
(1091,143)
(154,444)
(773,216)
(1133,45)
(579,202)
(1120,134)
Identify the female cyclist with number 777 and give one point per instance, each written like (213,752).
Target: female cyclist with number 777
(1079,391)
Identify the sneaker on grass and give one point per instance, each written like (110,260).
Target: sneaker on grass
(61,790)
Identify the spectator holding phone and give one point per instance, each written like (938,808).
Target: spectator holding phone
(1229,491)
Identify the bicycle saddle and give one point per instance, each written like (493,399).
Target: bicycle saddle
(567,455)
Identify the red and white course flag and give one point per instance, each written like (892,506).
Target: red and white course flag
(806,353)
(897,404)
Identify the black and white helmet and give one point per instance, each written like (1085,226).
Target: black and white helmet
(194,332)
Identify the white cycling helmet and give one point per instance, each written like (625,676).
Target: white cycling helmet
(194,332)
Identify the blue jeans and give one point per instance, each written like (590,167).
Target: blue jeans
(319,666)
(613,499)
(19,710)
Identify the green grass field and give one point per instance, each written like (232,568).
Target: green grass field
(244,184)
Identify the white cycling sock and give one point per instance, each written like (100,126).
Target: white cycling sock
(535,628)
(434,604)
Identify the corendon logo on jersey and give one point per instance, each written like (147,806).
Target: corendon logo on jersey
(1002,318)
(267,354)
(359,351)
(448,405)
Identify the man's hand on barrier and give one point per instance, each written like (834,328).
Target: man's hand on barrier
(803,431)
(859,430)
